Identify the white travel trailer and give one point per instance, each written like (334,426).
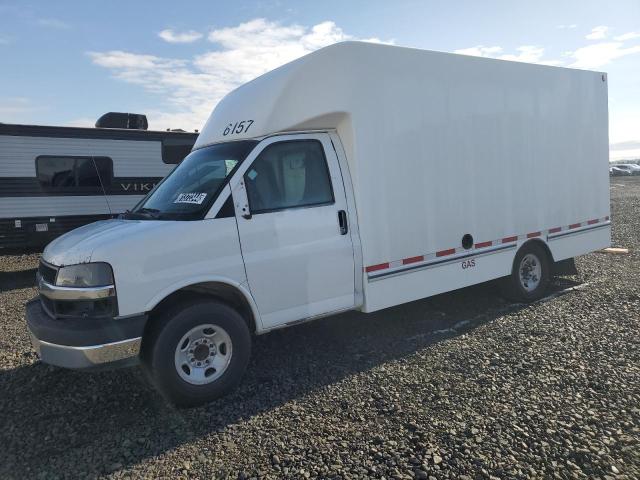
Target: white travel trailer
(55,179)
(358,177)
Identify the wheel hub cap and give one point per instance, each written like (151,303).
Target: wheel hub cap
(203,354)
(530,272)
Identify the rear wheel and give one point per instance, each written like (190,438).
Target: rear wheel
(197,352)
(530,275)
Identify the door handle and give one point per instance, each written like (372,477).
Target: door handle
(342,221)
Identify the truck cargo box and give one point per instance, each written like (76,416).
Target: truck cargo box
(440,146)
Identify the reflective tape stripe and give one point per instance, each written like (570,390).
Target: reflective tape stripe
(380,266)
(419,258)
(484,244)
(480,245)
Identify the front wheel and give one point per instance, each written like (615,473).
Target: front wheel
(530,275)
(197,352)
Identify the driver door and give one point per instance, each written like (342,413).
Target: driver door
(291,212)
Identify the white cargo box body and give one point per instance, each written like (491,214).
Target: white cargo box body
(441,145)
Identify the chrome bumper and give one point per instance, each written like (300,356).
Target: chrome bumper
(55,292)
(125,351)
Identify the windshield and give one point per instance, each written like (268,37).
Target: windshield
(188,192)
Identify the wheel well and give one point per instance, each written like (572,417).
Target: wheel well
(222,292)
(542,244)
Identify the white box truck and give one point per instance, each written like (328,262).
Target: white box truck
(358,177)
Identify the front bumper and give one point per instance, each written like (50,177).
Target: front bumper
(84,342)
(107,355)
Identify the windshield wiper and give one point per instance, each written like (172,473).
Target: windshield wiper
(147,212)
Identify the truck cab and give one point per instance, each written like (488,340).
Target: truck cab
(256,231)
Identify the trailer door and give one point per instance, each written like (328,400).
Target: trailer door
(291,212)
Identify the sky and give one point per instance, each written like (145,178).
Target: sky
(67,62)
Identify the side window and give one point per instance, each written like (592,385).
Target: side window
(175,149)
(56,171)
(73,172)
(105,169)
(87,175)
(289,174)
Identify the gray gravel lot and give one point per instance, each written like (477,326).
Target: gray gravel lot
(462,385)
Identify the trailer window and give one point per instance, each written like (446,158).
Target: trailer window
(88,176)
(74,172)
(289,174)
(56,171)
(174,150)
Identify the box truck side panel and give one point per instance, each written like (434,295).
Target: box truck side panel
(441,146)
(395,286)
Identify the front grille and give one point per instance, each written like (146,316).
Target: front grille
(103,307)
(47,272)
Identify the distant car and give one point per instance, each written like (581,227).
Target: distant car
(635,168)
(621,170)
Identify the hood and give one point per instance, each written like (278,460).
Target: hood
(79,245)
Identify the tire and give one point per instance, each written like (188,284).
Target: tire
(207,365)
(533,261)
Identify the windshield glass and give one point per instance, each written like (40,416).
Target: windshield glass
(188,192)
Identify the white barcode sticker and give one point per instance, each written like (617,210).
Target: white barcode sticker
(42,227)
(196,198)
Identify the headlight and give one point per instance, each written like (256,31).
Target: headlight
(85,275)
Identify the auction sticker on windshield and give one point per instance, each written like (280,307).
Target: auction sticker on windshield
(196,198)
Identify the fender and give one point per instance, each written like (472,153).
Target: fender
(242,288)
(542,241)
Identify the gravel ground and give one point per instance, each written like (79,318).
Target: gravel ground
(462,385)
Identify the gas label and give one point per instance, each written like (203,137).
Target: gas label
(469,264)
